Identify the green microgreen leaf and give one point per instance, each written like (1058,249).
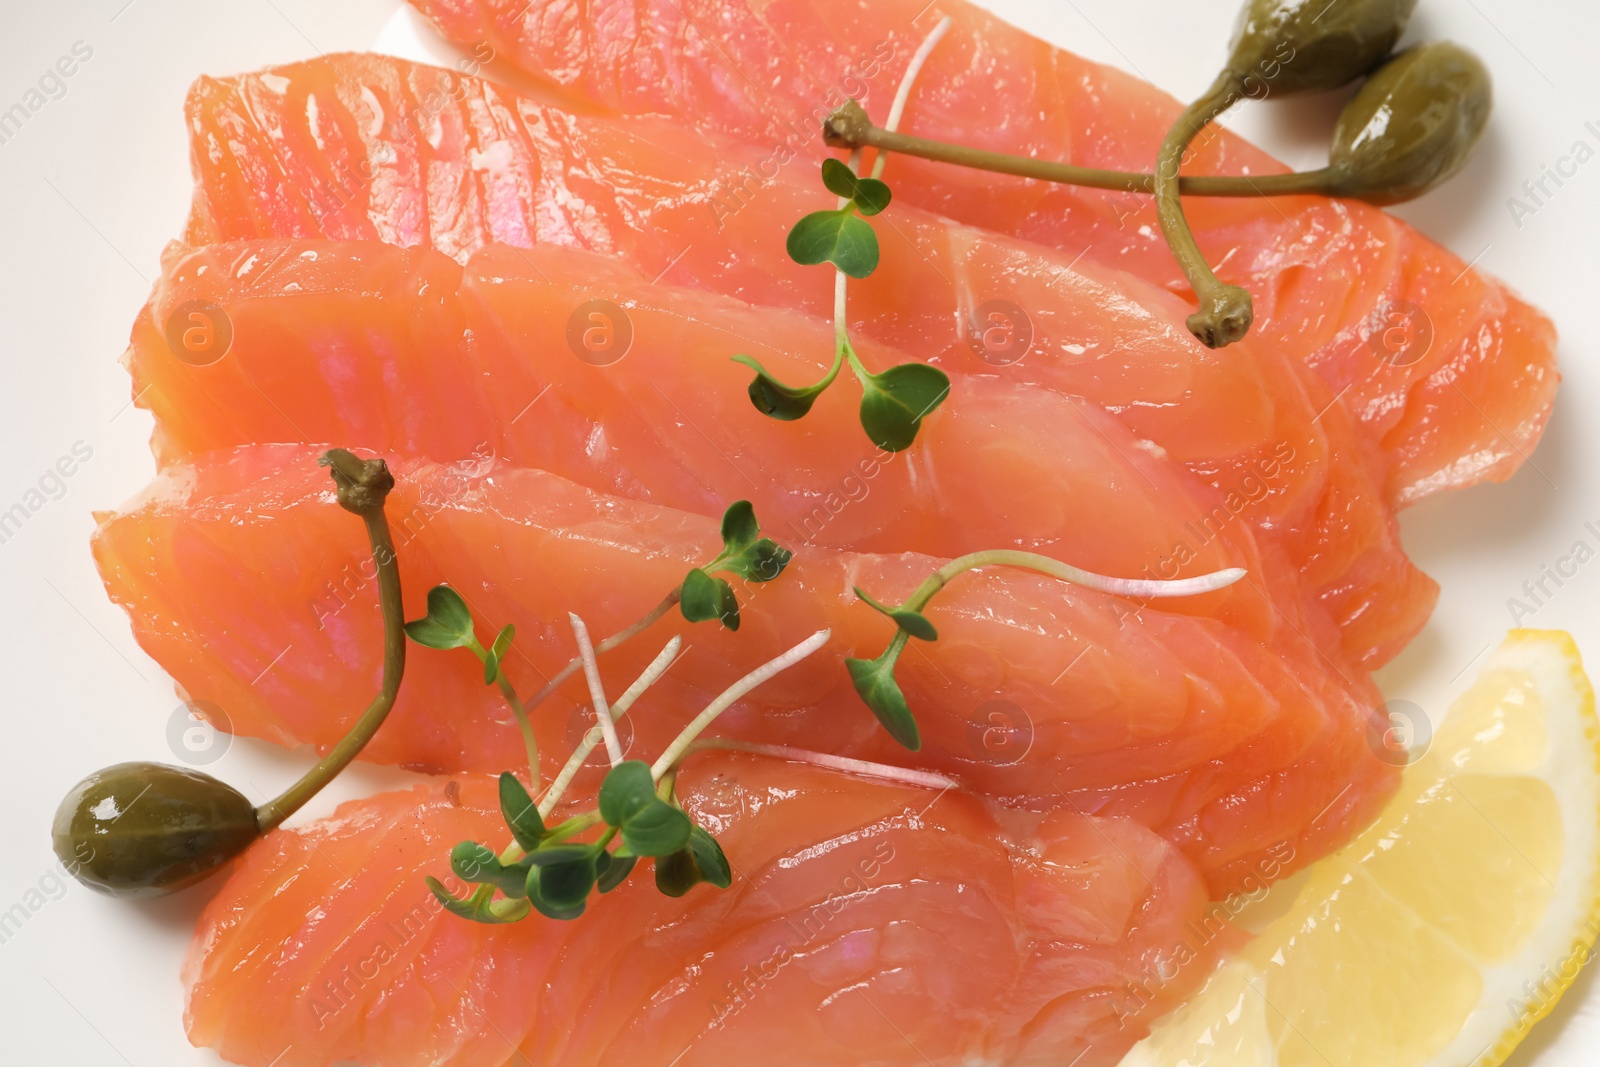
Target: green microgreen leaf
(613,870)
(657,831)
(746,553)
(776,400)
(839,178)
(875,682)
(761,561)
(479,909)
(836,237)
(566,885)
(469,860)
(703,598)
(914,623)
(650,826)
(869,195)
(521,813)
(497,651)
(476,863)
(558,855)
(448,623)
(626,790)
(872,196)
(894,403)
(739,526)
(701,860)
(560,892)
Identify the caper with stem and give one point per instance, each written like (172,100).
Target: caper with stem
(142,829)
(1412,125)
(1306,46)
(1289,46)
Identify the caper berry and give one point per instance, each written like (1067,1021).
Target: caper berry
(1299,46)
(1412,125)
(143,829)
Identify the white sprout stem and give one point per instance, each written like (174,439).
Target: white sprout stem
(903,775)
(1143,588)
(597,693)
(580,754)
(903,94)
(841,284)
(675,751)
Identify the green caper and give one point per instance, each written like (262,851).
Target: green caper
(1300,46)
(1412,125)
(143,829)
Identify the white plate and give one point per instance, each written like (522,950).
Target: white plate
(96,180)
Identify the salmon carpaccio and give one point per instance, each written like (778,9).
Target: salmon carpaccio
(867,924)
(361,343)
(1463,397)
(253,589)
(369,148)
(1258,428)
(404,257)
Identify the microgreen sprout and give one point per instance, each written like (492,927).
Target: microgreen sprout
(745,554)
(447,625)
(874,679)
(549,870)
(895,401)
(701,596)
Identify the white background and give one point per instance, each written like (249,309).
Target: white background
(97,181)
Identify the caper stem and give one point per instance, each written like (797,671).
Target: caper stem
(1225,311)
(850,135)
(369,505)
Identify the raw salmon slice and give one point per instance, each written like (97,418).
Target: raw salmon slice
(365,344)
(331,148)
(867,923)
(250,586)
(1453,371)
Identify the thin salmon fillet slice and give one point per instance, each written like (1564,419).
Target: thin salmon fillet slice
(366,344)
(331,148)
(1333,281)
(867,923)
(252,589)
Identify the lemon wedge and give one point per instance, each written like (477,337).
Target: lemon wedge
(1455,922)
